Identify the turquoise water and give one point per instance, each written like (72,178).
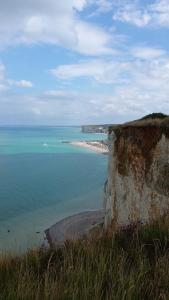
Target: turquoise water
(43,180)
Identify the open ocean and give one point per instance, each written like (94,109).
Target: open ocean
(43,180)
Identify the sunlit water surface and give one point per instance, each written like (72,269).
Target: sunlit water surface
(43,180)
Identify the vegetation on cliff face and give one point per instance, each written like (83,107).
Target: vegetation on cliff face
(133,264)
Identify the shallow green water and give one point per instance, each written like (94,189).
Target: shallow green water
(43,180)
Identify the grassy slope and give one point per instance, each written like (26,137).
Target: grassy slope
(154,119)
(134,264)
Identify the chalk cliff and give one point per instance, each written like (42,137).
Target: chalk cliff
(94,128)
(137,188)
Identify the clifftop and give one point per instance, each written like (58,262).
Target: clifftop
(152,120)
(138,187)
(95,128)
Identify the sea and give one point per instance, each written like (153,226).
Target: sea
(43,179)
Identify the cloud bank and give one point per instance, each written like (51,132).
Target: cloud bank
(155,14)
(110,77)
(52,22)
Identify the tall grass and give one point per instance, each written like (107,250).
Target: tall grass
(132,264)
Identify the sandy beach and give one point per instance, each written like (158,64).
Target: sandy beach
(73,227)
(95,146)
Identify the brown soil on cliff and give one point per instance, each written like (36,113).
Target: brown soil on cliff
(136,141)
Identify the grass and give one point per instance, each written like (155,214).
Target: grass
(154,119)
(155,116)
(132,264)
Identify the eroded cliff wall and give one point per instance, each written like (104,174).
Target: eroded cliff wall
(137,188)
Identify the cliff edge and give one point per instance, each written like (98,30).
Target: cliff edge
(137,188)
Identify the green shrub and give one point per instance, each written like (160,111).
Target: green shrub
(154,116)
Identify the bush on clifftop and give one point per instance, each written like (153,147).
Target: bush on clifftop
(155,116)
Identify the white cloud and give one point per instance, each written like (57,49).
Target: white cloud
(3,83)
(2,72)
(138,85)
(3,87)
(103,71)
(21,83)
(160,13)
(145,90)
(131,14)
(6,83)
(156,14)
(92,40)
(101,6)
(147,52)
(54,22)
(145,73)
(143,94)
(24,83)
(61,94)
(104,5)
(135,87)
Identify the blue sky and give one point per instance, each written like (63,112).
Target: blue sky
(76,62)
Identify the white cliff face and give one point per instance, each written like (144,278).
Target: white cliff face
(137,188)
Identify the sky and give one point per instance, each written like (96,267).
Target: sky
(74,62)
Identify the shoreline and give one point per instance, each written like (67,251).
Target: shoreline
(78,225)
(95,146)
